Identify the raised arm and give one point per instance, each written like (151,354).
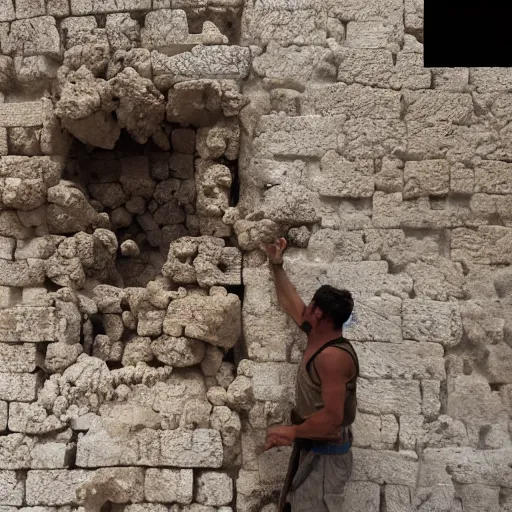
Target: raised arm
(287,295)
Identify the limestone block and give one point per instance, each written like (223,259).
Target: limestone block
(377,432)
(11,226)
(179,448)
(499,363)
(61,355)
(4,145)
(389,396)
(379,466)
(362,497)
(240,394)
(80,7)
(488,245)
(167,30)
(291,204)
(3,416)
(339,177)
(374,138)
(302,136)
(202,62)
(32,419)
(28,113)
(365,66)
(19,358)
(451,79)
(18,451)
(412,430)
(30,9)
(7,11)
(250,491)
(34,36)
(401,361)
(426,178)
(227,422)
(213,183)
(23,194)
(57,487)
(141,107)
(434,106)
(11,489)
(214,319)
(274,381)
(397,498)
(123,32)
(409,70)
(468,466)
(470,399)
(208,262)
(300,63)
(261,25)
(214,489)
(57,8)
(371,34)
(427,320)
(20,387)
(431,398)
(499,80)
(27,324)
(493,177)
(353,101)
(273,172)
(46,168)
(179,352)
(150,323)
(378,319)
(7,246)
(169,485)
(480,497)
(269,464)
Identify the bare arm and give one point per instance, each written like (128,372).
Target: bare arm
(287,295)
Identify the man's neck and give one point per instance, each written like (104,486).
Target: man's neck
(316,337)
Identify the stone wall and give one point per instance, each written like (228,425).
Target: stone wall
(147,147)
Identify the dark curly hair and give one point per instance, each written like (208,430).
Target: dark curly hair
(334,304)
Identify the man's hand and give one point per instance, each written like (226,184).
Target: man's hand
(279,436)
(275,251)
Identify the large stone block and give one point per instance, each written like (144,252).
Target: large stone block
(434,321)
(339,177)
(408,360)
(362,497)
(389,396)
(3,415)
(201,448)
(493,177)
(353,101)
(214,319)
(377,432)
(378,319)
(46,168)
(19,387)
(18,451)
(397,498)
(29,113)
(273,381)
(11,489)
(169,485)
(202,62)
(80,7)
(379,466)
(303,136)
(57,487)
(426,178)
(35,36)
(434,106)
(467,466)
(19,358)
(214,489)
(27,324)
(488,245)
(22,274)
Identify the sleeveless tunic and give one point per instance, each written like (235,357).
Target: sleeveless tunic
(308,390)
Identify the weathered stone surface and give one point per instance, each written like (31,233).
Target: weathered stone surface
(401,361)
(20,387)
(426,178)
(179,352)
(362,496)
(178,448)
(389,396)
(202,62)
(19,358)
(169,485)
(487,245)
(37,36)
(214,489)
(377,432)
(11,489)
(27,324)
(427,320)
(21,114)
(56,487)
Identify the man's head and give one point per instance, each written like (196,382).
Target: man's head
(329,308)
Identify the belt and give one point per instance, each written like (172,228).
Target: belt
(331,448)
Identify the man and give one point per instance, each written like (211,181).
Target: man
(321,461)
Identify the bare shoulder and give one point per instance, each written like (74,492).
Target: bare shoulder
(335,362)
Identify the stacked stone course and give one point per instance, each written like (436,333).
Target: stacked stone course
(147,148)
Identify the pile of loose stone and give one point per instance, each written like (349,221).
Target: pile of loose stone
(121,268)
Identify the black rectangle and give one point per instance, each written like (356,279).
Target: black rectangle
(470,33)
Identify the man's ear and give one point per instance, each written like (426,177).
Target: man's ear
(318,313)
